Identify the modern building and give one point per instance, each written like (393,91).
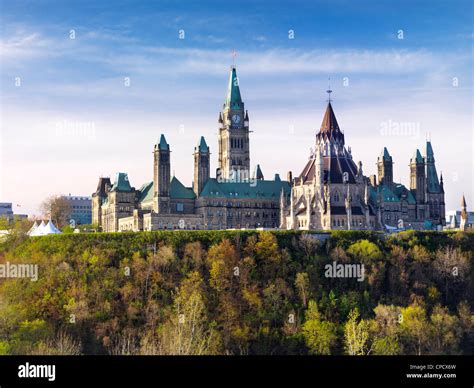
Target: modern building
(332,191)
(234,198)
(6,211)
(81,209)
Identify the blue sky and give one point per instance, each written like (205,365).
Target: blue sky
(73,118)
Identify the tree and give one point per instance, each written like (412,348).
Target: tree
(365,251)
(319,335)
(415,330)
(356,335)
(451,266)
(385,330)
(188,330)
(302,286)
(57,209)
(309,245)
(447,332)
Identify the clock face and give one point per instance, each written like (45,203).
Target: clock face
(236,119)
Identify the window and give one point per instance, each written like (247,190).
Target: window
(179,207)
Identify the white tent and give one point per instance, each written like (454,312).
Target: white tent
(50,228)
(38,230)
(33,228)
(44,229)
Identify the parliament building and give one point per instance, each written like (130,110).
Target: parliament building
(331,192)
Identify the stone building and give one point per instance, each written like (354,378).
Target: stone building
(332,192)
(235,198)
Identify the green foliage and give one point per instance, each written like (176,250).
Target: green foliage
(240,292)
(356,335)
(319,334)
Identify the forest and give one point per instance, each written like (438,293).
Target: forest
(238,293)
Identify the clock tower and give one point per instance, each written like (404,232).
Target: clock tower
(234,150)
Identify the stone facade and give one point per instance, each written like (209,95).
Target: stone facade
(332,192)
(233,199)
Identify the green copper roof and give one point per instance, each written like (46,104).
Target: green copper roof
(393,194)
(233,99)
(179,191)
(388,195)
(429,150)
(163,144)
(261,190)
(385,155)
(432,175)
(121,182)
(146,192)
(417,157)
(202,147)
(432,179)
(400,189)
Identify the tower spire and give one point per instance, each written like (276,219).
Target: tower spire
(234,54)
(329,91)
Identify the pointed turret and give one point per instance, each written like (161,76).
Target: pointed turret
(201,166)
(429,152)
(463,223)
(234,142)
(233,99)
(432,181)
(385,155)
(258,173)
(329,127)
(163,144)
(161,176)
(385,168)
(416,158)
(202,146)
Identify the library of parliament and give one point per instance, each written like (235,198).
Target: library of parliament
(331,192)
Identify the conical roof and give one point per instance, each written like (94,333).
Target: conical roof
(258,174)
(385,155)
(233,99)
(202,146)
(417,158)
(163,144)
(39,230)
(329,127)
(50,228)
(33,228)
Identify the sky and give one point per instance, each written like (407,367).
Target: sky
(87,87)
